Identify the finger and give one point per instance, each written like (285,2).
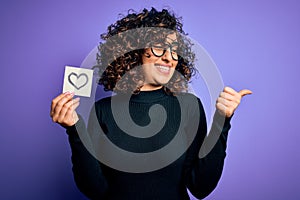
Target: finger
(225,102)
(234,99)
(221,108)
(72,111)
(59,105)
(67,106)
(225,110)
(227,96)
(75,105)
(230,90)
(245,92)
(56,100)
(71,115)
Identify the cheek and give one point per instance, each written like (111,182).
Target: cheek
(172,71)
(150,59)
(147,69)
(175,63)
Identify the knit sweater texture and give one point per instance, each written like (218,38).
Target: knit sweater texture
(98,180)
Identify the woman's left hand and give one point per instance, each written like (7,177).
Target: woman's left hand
(229,100)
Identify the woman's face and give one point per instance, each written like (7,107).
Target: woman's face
(158,70)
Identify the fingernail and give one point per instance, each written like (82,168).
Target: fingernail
(70,94)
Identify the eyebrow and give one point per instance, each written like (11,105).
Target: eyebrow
(174,43)
(170,44)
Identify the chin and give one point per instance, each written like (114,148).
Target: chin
(162,83)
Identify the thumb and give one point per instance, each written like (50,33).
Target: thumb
(245,92)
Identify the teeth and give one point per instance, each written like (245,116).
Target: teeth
(163,68)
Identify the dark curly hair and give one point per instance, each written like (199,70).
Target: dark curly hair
(124,43)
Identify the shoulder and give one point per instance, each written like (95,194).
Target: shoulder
(103,102)
(101,106)
(189,99)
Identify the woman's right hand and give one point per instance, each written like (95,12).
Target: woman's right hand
(63,109)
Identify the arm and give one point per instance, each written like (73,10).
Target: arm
(86,169)
(203,173)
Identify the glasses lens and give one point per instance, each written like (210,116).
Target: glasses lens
(174,55)
(158,50)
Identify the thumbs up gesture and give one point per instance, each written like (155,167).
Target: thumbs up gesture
(229,100)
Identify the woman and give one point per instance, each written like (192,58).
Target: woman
(158,73)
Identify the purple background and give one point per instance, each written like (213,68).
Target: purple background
(255,44)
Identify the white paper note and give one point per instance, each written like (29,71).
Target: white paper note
(78,80)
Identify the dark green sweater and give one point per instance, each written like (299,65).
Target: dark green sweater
(98,180)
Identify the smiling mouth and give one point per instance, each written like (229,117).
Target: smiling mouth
(163,69)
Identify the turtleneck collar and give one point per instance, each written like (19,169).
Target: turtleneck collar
(149,96)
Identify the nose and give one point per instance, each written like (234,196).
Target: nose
(167,55)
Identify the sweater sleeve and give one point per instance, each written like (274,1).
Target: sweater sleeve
(86,168)
(203,170)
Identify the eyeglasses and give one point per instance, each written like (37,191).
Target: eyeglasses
(159,50)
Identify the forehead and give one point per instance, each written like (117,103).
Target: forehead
(160,34)
(171,38)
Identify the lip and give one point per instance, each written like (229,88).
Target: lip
(163,68)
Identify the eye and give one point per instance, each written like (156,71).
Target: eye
(174,49)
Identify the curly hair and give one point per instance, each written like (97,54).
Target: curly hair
(124,44)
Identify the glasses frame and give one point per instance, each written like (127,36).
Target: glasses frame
(169,46)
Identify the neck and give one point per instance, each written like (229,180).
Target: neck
(150,87)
